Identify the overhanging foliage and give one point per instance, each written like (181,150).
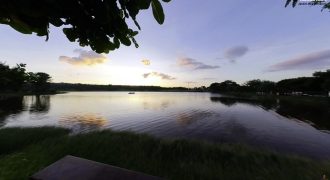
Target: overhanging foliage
(100,24)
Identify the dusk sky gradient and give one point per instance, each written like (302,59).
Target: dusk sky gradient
(200,42)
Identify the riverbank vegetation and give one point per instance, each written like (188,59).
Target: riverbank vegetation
(110,87)
(318,84)
(26,151)
(17,81)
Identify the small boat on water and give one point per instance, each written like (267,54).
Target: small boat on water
(131,92)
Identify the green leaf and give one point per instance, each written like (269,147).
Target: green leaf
(157,11)
(294,2)
(102,20)
(134,33)
(125,40)
(4,20)
(144,4)
(56,22)
(20,27)
(70,34)
(287,2)
(116,42)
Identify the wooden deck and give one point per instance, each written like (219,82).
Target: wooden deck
(74,168)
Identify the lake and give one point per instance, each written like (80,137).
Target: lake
(279,124)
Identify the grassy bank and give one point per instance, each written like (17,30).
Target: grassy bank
(26,151)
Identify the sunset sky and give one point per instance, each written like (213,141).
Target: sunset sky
(200,42)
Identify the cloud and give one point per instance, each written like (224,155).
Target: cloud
(160,75)
(313,60)
(236,52)
(146,62)
(194,64)
(84,58)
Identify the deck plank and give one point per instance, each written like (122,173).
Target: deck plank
(74,168)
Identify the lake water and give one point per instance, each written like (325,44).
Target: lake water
(276,124)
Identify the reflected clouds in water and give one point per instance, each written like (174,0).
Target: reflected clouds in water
(83,123)
(156,105)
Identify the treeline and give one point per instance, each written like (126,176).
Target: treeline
(93,87)
(319,84)
(17,79)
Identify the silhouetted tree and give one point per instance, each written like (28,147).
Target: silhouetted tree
(226,86)
(257,85)
(321,74)
(12,79)
(318,84)
(40,81)
(325,78)
(301,84)
(100,24)
(326,85)
(18,76)
(4,78)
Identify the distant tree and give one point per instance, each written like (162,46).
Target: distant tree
(226,86)
(319,84)
(12,79)
(100,24)
(254,85)
(301,84)
(326,85)
(214,87)
(4,76)
(17,76)
(325,78)
(40,81)
(257,85)
(321,74)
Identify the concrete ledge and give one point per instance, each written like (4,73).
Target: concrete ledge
(74,168)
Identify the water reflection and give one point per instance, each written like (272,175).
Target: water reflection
(39,104)
(156,105)
(275,123)
(82,123)
(266,103)
(313,111)
(236,131)
(10,106)
(190,117)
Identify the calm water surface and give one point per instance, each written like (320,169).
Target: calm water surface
(278,125)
